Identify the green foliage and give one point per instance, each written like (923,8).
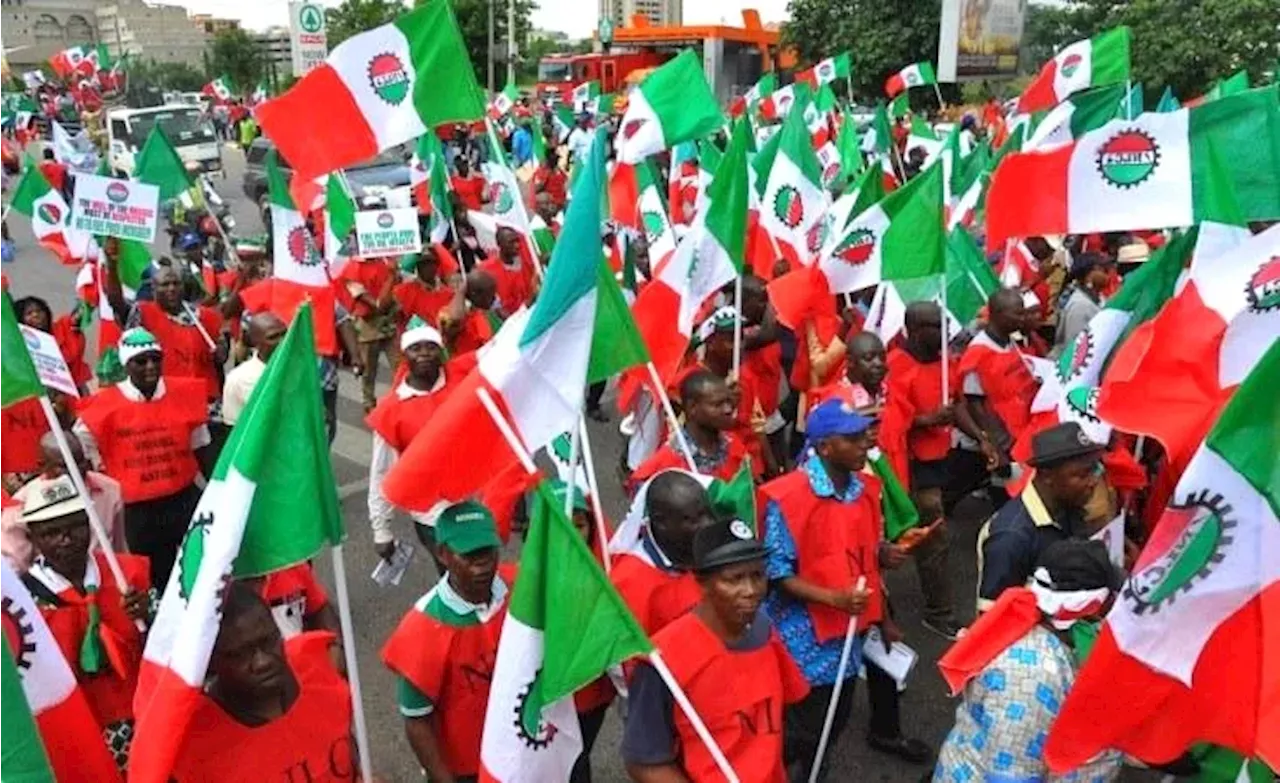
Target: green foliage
(356,16)
(235,53)
(473,21)
(165,76)
(1184,44)
(882,37)
(527,70)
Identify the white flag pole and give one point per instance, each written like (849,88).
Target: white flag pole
(737,327)
(353,670)
(693,717)
(195,319)
(946,350)
(845,653)
(671,416)
(593,487)
(575,447)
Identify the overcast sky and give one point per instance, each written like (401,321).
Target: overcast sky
(575,17)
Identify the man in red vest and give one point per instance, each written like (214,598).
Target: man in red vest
(997,386)
(271,704)
(191,335)
(91,619)
(444,649)
(398,417)
(762,362)
(511,271)
(652,573)
(710,418)
(727,659)
(145,431)
(468,184)
(427,292)
(822,526)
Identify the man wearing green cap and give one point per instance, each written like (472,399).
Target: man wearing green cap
(145,431)
(398,417)
(444,649)
(736,672)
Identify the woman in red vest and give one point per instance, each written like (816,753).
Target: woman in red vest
(92,621)
(145,432)
(445,647)
(726,657)
(273,708)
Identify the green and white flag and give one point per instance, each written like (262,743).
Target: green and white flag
(970,283)
(265,508)
(794,199)
(654,219)
(672,104)
(562,120)
(339,224)
(827,71)
(503,101)
(583,94)
(900,237)
(34,197)
(504,189)
(1168,101)
(915,75)
(565,626)
(159,164)
(1077,115)
(922,135)
(294,255)
(20,379)
(221,89)
(24,758)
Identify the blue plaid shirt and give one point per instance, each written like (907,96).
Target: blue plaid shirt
(818,662)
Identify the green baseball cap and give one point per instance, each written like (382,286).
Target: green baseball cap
(467,527)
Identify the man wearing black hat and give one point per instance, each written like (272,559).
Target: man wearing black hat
(1068,467)
(726,658)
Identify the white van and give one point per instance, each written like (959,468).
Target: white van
(187,128)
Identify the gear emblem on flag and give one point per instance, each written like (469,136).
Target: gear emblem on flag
(1071,64)
(19,632)
(191,554)
(788,206)
(857,246)
(1128,159)
(501,198)
(654,225)
(1083,401)
(49,213)
(301,249)
(817,234)
(388,78)
(1263,292)
(1077,356)
(632,128)
(530,727)
(1191,555)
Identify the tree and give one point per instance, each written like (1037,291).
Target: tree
(1184,44)
(882,37)
(473,21)
(532,54)
(234,53)
(357,16)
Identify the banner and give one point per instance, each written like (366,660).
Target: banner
(979,39)
(308,42)
(387,232)
(116,208)
(47,358)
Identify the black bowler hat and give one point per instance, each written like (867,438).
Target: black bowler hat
(1061,443)
(724,543)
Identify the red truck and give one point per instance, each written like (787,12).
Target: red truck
(558,74)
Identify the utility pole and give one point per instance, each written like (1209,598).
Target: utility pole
(511,41)
(489,4)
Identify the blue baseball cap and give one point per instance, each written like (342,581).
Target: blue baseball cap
(835,417)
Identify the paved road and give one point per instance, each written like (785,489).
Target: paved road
(926,710)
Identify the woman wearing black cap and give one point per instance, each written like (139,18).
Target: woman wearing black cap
(1016,664)
(736,672)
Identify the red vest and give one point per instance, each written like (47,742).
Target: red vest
(415,298)
(1009,385)
(397,420)
(764,365)
(110,691)
(453,667)
(21,427)
(835,544)
(476,330)
(914,388)
(739,695)
(654,596)
(515,286)
(311,742)
(668,456)
(146,445)
(186,354)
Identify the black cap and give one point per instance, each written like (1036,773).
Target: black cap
(1061,443)
(724,543)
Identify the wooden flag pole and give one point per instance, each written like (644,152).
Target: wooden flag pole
(353,669)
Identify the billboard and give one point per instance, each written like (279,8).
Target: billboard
(979,39)
(307,40)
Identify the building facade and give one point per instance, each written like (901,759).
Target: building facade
(658,12)
(35,30)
